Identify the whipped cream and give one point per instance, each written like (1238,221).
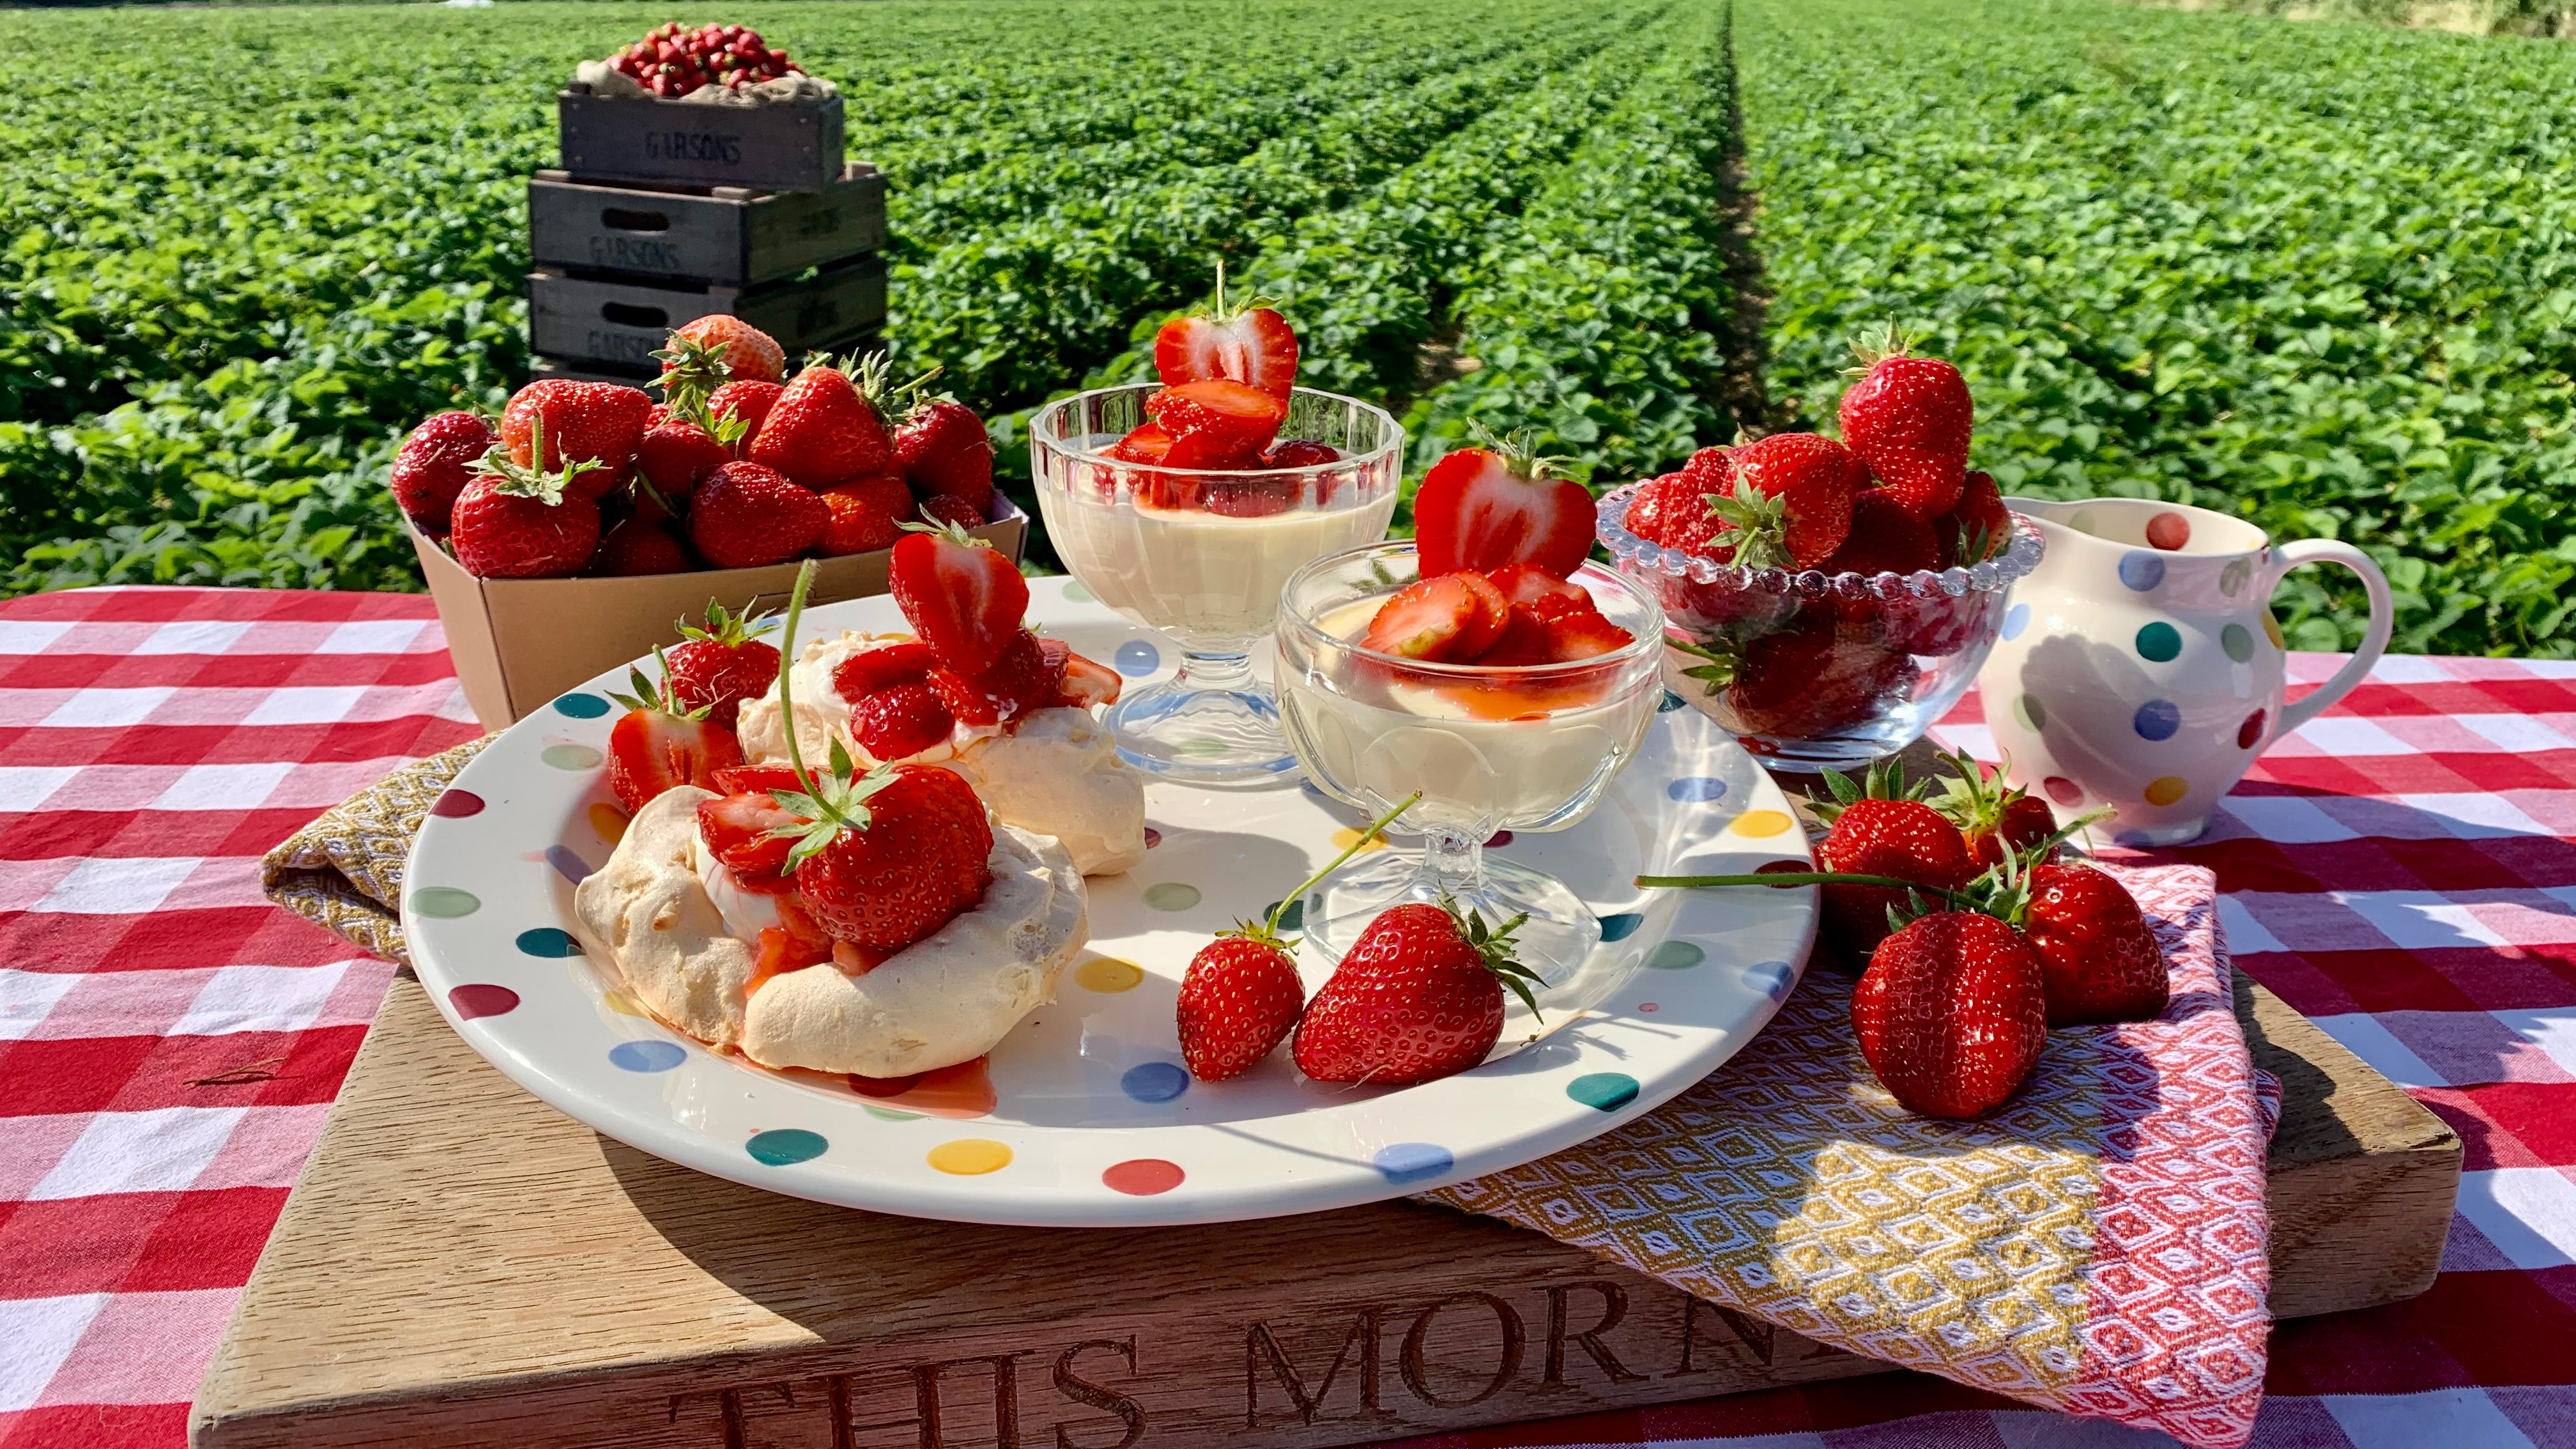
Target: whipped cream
(1055,771)
(652,921)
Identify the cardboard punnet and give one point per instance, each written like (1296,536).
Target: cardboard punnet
(520,642)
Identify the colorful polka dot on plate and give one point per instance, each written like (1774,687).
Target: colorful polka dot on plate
(1403,1162)
(570,757)
(2016,619)
(568,865)
(1676,956)
(1171,895)
(970,1157)
(548,941)
(478,1000)
(1761,824)
(1695,788)
(456,804)
(1348,835)
(1108,975)
(1621,926)
(1074,592)
(1155,1081)
(785,1147)
(2030,712)
(1142,1176)
(607,821)
(444,903)
(647,1056)
(581,706)
(1136,658)
(1771,978)
(1669,703)
(1603,1091)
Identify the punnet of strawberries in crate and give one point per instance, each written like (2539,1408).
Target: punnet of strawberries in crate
(675,64)
(1827,599)
(740,466)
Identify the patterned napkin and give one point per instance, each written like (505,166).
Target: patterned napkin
(344,871)
(2097,1247)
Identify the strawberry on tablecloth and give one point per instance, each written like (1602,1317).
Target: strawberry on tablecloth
(2097,1246)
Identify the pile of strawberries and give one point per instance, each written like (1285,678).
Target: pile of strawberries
(672,62)
(1990,939)
(860,865)
(1418,996)
(1893,496)
(738,467)
(1227,371)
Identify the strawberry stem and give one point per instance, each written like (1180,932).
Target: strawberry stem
(787,701)
(1802,877)
(1271,927)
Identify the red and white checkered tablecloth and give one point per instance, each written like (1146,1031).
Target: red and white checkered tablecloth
(2403,871)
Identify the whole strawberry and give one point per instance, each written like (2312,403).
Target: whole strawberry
(749,401)
(1879,827)
(1996,818)
(639,546)
(673,456)
(1798,682)
(1418,996)
(866,516)
(1657,504)
(1790,504)
(718,664)
(1240,996)
(747,353)
(1950,1013)
(745,516)
(514,521)
(945,451)
(829,425)
(2099,960)
(1884,539)
(434,464)
(945,511)
(661,744)
(1978,528)
(1909,419)
(599,422)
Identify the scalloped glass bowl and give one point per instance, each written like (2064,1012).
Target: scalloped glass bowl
(1813,669)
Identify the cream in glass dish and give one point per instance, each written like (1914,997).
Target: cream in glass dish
(1520,746)
(1201,554)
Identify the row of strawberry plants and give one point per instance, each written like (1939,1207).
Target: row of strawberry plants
(1019,310)
(1595,322)
(2315,276)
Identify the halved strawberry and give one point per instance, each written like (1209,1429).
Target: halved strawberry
(964,597)
(1023,678)
(1523,584)
(1429,619)
(1482,508)
(883,667)
(1147,443)
(1086,681)
(660,745)
(744,779)
(737,828)
(1217,423)
(896,723)
(1248,342)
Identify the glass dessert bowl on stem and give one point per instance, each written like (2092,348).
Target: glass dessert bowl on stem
(1201,555)
(1521,747)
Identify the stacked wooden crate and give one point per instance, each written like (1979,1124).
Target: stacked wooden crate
(666,211)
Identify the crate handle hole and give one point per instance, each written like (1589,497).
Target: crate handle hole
(627,314)
(616,219)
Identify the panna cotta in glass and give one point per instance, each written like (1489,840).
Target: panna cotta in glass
(1526,745)
(1201,554)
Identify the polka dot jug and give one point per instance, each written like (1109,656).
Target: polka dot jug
(2140,668)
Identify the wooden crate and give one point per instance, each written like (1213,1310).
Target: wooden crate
(460,1265)
(654,141)
(623,323)
(725,236)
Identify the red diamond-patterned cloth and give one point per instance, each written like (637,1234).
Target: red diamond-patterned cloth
(2403,870)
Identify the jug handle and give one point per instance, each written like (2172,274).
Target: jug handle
(2374,636)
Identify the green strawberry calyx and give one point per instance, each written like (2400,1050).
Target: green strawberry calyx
(1221,311)
(656,696)
(1494,946)
(1758,521)
(835,800)
(691,372)
(1883,780)
(532,480)
(725,627)
(1519,453)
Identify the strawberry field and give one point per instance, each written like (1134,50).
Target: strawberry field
(2319,275)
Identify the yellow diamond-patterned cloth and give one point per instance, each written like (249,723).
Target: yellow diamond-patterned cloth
(2098,1246)
(344,871)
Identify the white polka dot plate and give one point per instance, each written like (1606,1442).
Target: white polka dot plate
(1084,1116)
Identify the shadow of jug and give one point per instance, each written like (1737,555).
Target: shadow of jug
(2139,666)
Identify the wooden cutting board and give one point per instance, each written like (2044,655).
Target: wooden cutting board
(462,1265)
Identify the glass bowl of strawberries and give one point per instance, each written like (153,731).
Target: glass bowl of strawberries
(1508,696)
(1816,616)
(1185,508)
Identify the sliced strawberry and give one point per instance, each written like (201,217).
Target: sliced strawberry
(964,597)
(1299,453)
(1217,419)
(1022,679)
(737,830)
(1428,618)
(744,779)
(1523,584)
(1493,611)
(1574,634)
(902,721)
(1250,343)
(1254,497)
(650,751)
(883,667)
(1522,642)
(1482,508)
(1148,443)
(1089,682)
